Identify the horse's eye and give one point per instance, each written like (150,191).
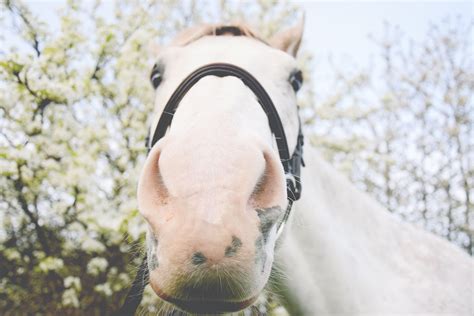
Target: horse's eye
(296,80)
(156,76)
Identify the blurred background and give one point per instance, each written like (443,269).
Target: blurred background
(387,100)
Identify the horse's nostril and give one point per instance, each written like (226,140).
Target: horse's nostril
(198,258)
(231,250)
(270,188)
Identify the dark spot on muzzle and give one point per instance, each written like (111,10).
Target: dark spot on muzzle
(260,253)
(235,245)
(152,260)
(268,218)
(198,258)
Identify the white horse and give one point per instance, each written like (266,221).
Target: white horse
(213,191)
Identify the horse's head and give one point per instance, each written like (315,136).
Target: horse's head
(213,189)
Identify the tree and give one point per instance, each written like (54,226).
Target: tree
(404,131)
(74,108)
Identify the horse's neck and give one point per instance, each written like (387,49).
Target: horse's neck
(344,253)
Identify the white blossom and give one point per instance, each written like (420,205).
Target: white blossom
(96,266)
(51,264)
(72,282)
(104,289)
(69,298)
(91,245)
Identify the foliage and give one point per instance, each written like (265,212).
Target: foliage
(74,108)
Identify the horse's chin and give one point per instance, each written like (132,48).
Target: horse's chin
(203,305)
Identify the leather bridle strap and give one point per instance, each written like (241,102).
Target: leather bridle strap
(135,294)
(224,70)
(291,164)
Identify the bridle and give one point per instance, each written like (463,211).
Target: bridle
(291,163)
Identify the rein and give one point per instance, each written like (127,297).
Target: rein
(291,163)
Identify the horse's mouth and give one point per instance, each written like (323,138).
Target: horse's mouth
(205,306)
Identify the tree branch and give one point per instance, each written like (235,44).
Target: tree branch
(22,14)
(42,238)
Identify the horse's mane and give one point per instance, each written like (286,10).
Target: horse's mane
(236,29)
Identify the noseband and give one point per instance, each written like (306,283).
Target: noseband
(291,164)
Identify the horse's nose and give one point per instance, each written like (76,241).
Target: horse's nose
(211,221)
(202,245)
(204,261)
(215,255)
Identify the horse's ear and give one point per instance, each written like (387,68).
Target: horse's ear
(289,40)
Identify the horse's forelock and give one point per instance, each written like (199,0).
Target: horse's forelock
(194,33)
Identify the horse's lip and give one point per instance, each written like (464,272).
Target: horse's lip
(205,306)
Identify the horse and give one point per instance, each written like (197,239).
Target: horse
(214,194)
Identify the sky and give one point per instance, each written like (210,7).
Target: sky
(341,28)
